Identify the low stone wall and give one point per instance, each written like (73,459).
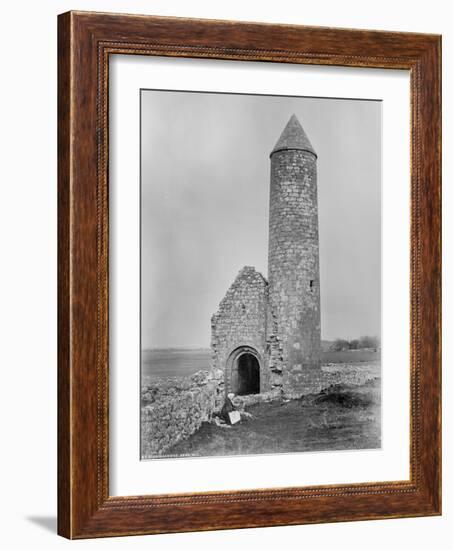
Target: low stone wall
(317,380)
(241,402)
(337,373)
(174,408)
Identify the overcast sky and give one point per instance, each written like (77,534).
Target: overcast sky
(205,207)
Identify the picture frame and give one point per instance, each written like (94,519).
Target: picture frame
(85,43)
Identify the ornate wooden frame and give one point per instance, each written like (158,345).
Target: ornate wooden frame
(85,41)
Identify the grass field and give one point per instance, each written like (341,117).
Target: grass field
(350,356)
(166,363)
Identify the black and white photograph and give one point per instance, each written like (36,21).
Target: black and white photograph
(260,274)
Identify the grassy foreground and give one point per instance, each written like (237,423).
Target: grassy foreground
(339,418)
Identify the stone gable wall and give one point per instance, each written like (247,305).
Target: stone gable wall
(241,321)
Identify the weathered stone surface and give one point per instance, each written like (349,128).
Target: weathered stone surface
(241,324)
(294,293)
(174,408)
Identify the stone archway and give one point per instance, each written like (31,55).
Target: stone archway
(244,371)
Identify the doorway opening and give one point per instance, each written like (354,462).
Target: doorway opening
(248,370)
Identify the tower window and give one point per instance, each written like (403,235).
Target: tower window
(311,284)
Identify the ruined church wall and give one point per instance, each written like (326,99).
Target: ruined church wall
(241,321)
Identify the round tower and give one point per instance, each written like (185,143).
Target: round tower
(294,292)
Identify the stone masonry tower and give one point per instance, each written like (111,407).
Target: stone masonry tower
(294,293)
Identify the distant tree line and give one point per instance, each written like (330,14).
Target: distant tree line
(364,342)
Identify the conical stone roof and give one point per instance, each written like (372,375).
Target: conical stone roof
(293,137)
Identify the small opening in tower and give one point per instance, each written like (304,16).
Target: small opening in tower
(311,284)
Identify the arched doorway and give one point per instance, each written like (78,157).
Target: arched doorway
(248,374)
(243,373)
